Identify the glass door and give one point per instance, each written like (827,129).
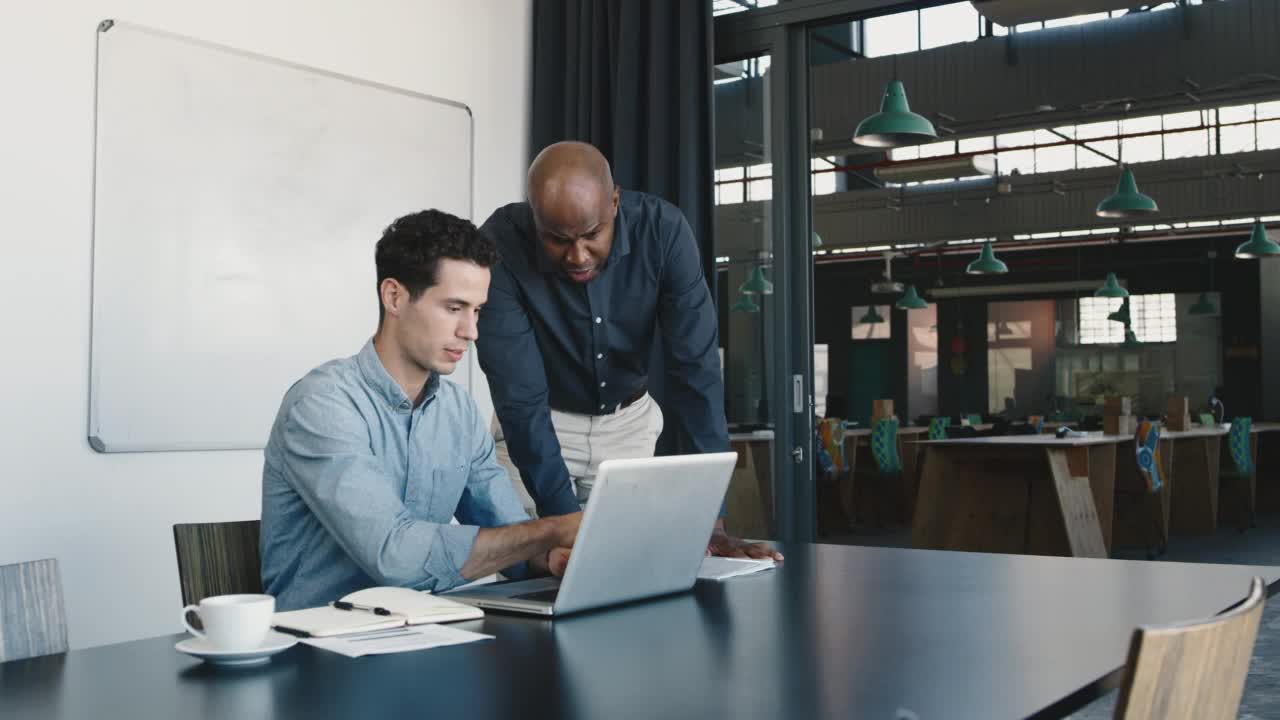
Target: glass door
(745,282)
(765,306)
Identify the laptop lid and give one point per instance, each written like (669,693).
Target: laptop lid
(622,555)
(645,529)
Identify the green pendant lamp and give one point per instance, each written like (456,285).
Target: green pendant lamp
(987,263)
(911,300)
(817,240)
(895,125)
(1259,245)
(1203,306)
(871,317)
(1130,339)
(756,283)
(744,305)
(1121,315)
(1126,201)
(1111,288)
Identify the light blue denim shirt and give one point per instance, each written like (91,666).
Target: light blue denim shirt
(359,486)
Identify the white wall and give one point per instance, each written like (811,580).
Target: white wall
(108,518)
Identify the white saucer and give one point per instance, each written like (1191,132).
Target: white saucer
(275,642)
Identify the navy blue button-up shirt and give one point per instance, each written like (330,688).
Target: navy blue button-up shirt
(548,342)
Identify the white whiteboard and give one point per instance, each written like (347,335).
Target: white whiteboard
(237,201)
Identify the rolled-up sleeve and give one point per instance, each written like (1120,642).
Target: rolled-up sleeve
(328,461)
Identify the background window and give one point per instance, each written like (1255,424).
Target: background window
(870,331)
(947,25)
(1153,318)
(728,7)
(892,34)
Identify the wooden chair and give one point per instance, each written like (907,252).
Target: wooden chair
(1236,476)
(831,472)
(884,450)
(1147,450)
(938,428)
(33,621)
(1194,670)
(217,559)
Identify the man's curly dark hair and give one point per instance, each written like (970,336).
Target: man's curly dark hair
(411,249)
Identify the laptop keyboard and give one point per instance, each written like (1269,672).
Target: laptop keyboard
(548,596)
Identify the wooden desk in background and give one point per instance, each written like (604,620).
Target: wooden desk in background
(749,501)
(1033,494)
(1199,454)
(1196,455)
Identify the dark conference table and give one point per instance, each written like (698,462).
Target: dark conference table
(835,632)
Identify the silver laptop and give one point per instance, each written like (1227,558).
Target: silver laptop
(644,533)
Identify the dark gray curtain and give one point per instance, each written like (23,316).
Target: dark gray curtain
(633,78)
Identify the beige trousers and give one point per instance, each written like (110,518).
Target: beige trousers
(587,440)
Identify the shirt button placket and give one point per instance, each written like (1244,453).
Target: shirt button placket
(599,342)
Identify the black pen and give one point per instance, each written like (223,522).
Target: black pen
(343,605)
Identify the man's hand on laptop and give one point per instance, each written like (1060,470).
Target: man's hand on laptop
(558,560)
(501,547)
(724,545)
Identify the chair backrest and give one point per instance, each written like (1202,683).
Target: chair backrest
(938,428)
(33,620)
(884,445)
(831,434)
(1238,441)
(1147,446)
(1192,669)
(217,559)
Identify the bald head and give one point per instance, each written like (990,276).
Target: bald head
(565,166)
(574,203)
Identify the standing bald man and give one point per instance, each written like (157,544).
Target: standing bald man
(589,273)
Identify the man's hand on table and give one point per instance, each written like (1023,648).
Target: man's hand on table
(724,545)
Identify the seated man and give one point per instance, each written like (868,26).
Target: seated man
(371,456)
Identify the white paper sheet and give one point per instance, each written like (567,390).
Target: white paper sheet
(396,640)
(720,568)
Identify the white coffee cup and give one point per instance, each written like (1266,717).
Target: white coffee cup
(235,623)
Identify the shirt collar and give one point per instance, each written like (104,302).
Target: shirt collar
(381,381)
(621,239)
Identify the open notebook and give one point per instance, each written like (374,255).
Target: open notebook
(373,609)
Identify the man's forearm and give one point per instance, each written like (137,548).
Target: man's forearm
(501,547)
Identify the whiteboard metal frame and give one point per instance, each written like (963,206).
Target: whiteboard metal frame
(93,433)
